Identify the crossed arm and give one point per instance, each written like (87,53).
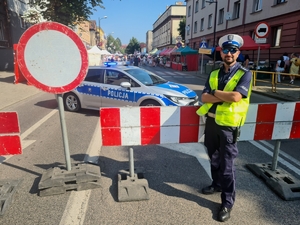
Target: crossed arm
(221,96)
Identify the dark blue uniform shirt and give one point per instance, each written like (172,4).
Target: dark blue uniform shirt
(243,85)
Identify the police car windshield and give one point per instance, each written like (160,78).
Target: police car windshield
(147,78)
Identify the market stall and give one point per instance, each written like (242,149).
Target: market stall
(185,58)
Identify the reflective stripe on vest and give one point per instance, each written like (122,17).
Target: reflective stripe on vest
(229,113)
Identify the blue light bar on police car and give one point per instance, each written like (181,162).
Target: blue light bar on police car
(108,64)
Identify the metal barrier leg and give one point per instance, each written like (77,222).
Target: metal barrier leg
(275,155)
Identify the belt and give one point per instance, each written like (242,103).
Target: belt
(211,115)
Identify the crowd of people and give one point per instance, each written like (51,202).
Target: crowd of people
(141,60)
(290,65)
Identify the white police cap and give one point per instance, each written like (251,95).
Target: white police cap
(231,40)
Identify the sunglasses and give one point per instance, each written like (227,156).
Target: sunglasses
(231,50)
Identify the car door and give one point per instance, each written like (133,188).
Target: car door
(90,88)
(112,93)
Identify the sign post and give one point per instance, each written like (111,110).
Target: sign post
(203,46)
(53,58)
(261,31)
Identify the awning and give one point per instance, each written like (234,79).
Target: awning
(153,51)
(162,53)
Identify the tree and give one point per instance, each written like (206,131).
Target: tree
(67,12)
(181,28)
(133,46)
(114,45)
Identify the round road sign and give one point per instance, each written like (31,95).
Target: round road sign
(52,57)
(262,30)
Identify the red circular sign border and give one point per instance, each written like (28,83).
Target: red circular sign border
(60,28)
(256,33)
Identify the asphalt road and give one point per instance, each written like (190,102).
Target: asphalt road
(174,173)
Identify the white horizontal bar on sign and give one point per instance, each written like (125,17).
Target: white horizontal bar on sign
(285,111)
(130,126)
(170,124)
(252,113)
(282,130)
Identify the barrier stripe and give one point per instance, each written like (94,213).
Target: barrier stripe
(10,145)
(162,125)
(149,125)
(10,141)
(9,122)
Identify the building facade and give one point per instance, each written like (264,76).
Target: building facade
(211,20)
(12,26)
(165,27)
(149,37)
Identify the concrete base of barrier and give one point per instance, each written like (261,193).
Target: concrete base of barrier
(132,188)
(81,177)
(7,189)
(282,183)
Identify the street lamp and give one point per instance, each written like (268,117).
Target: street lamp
(99,19)
(215,26)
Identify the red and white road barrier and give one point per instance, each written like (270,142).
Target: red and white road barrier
(130,126)
(150,125)
(273,121)
(10,142)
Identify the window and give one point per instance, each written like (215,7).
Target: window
(221,16)
(279,1)
(298,34)
(188,30)
(209,21)
(94,76)
(189,11)
(195,27)
(277,36)
(22,22)
(114,77)
(202,24)
(257,5)
(197,6)
(236,10)
(203,3)
(1,31)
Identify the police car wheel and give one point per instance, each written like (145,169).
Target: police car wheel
(150,103)
(71,102)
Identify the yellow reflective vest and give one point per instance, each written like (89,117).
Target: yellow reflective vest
(231,114)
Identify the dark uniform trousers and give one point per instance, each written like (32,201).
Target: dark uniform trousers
(222,151)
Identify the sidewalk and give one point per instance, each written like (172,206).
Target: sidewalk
(12,93)
(284,90)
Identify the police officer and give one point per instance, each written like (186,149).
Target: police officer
(226,100)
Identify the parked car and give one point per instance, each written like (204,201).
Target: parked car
(114,85)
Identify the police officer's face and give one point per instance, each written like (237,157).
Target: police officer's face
(229,55)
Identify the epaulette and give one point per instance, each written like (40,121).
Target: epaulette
(244,69)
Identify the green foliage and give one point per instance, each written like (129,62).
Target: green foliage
(114,45)
(67,12)
(133,45)
(181,28)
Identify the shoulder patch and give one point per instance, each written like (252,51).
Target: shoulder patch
(244,69)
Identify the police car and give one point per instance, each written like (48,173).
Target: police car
(122,85)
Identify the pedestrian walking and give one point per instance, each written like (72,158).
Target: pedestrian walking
(280,67)
(226,99)
(294,68)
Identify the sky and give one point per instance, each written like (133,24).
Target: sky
(130,18)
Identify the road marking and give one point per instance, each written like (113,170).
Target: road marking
(26,143)
(37,124)
(281,153)
(75,210)
(281,160)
